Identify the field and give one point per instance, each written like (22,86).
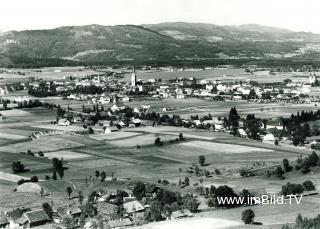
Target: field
(222,74)
(117,154)
(55,73)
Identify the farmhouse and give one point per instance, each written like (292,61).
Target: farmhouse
(71,210)
(35,218)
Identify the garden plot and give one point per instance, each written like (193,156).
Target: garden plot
(46,143)
(66,155)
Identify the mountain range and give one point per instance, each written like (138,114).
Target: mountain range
(172,42)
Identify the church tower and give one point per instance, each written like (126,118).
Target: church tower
(133,78)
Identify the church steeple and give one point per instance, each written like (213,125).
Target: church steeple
(133,78)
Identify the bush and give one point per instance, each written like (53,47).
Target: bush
(17,167)
(19,182)
(34,179)
(305,170)
(308,185)
(247,216)
(91,131)
(41,154)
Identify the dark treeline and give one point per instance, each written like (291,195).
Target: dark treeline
(27,62)
(294,63)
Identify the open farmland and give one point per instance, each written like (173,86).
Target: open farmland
(223,74)
(118,155)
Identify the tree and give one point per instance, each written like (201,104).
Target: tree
(190,203)
(67,221)
(54,175)
(202,160)
(97,173)
(212,190)
(92,197)
(81,197)
(247,216)
(233,120)
(91,131)
(278,172)
(186,181)
(69,191)
(308,185)
(89,210)
(48,209)
(34,179)
(155,211)
(17,167)
(139,190)
(61,172)
(103,176)
(41,192)
(286,165)
(158,142)
(197,170)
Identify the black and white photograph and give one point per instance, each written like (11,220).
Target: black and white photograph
(160,114)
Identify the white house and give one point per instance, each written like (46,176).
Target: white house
(63,122)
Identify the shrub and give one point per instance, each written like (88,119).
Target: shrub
(308,185)
(34,179)
(247,216)
(305,170)
(19,182)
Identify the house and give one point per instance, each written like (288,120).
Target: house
(208,122)
(197,122)
(20,223)
(71,210)
(136,122)
(133,206)
(269,137)
(121,123)
(118,224)
(107,209)
(110,129)
(181,214)
(63,122)
(36,218)
(242,132)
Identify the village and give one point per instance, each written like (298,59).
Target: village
(96,115)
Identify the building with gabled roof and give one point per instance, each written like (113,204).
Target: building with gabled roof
(36,218)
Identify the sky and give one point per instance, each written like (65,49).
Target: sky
(296,15)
